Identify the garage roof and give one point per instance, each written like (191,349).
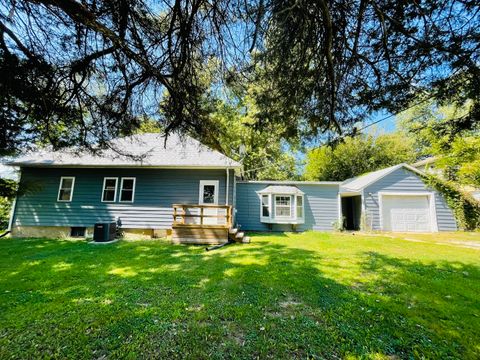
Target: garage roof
(358,183)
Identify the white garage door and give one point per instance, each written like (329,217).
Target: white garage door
(406,213)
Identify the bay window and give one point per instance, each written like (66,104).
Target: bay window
(281,205)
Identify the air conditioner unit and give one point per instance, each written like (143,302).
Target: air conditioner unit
(103,232)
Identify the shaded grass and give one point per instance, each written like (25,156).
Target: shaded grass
(283,296)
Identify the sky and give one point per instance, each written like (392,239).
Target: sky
(386,126)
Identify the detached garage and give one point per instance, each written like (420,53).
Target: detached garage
(396,199)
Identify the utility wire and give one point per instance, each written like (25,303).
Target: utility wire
(357,131)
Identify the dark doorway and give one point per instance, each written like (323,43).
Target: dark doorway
(351,212)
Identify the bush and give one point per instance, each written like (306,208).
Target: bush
(5,206)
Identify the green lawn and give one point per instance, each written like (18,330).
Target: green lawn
(283,296)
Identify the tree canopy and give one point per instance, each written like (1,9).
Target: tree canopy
(435,132)
(358,155)
(85,71)
(261,150)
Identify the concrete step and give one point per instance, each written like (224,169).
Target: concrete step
(246,240)
(233,231)
(240,235)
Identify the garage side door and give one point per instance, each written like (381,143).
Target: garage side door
(406,213)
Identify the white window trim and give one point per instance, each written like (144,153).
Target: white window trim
(133,189)
(215,183)
(303,207)
(431,203)
(103,189)
(283,217)
(60,188)
(273,218)
(269,197)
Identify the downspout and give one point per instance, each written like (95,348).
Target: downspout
(227,187)
(234,195)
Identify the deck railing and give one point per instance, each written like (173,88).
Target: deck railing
(204,215)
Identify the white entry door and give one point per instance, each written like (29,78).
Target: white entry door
(406,213)
(209,196)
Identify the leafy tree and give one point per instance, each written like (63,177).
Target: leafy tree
(8,189)
(262,151)
(265,155)
(358,155)
(85,71)
(436,133)
(330,63)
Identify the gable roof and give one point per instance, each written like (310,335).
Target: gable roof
(359,183)
(144,150)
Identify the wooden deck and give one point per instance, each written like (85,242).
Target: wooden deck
(201,224)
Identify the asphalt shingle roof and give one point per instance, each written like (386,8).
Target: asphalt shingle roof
(144,150)
(360,182)
(281,189)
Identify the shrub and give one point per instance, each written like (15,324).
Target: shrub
(5,206)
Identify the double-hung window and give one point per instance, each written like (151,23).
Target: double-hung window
(283,207)
(127,189)
(299,207)
(266,206)
(65,190)
(109,193)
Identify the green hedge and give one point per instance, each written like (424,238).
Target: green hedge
(5,206)
(465,208)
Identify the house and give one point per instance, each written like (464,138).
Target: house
(428,166)
(391,199)
(159,186)
(137,179)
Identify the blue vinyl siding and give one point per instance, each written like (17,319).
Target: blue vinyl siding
(321,207)
(402,180)
(155,192)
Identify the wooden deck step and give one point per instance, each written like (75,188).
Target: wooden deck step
(199,235)
(234,234)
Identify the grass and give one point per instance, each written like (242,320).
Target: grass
(310,295)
